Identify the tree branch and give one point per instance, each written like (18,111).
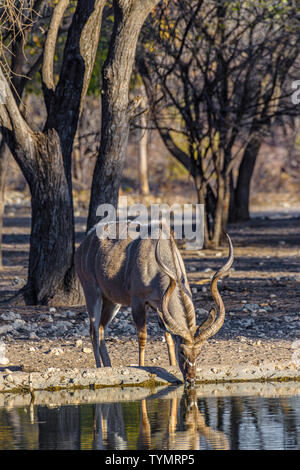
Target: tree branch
(10,116)
(181,156)
(50,44)
(88,45)
(77,66)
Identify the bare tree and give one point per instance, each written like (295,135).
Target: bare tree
(15,28)
(214,74)
(129,16)
(45,156)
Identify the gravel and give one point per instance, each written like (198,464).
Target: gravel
(250,345)
(68,324)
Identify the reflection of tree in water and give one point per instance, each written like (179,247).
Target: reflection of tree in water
(291,426)
(166,420)
(272,422)
(59,428)
(254,422)
(15,430)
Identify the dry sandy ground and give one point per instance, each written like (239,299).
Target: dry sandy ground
(37,356)
(266,272)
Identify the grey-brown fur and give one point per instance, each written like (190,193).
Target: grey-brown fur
(130,272)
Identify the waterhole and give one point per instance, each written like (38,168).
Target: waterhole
(234,417)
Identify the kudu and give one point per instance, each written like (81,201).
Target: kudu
(141,272)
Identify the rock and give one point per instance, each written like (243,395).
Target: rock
(251,307)
(9,377)
(10,316)
(85,332)
(70,314)
(5,329)
(288,318)
(52,369)
(247,322)
(45,318)
(242,339)
(63,327)
(201,311)
(18,323)
(18,281)
(33,335)
(4,361)
(78,343)
(55,351)
(87,350)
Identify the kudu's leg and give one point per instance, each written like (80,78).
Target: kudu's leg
(139,318)
(145,428)
(170,344)
(109,310)
(173,416)
(93,298)
(171,348)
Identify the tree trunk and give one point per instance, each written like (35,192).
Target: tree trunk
(240,205)
(52,230)
(129,16)
(226,203)
(143,160)
(45,157)
(143,154)
(203,198)
(219,213)
(4,158)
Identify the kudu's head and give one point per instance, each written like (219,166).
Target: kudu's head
(188,337)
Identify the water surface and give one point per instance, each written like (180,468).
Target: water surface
(168,418)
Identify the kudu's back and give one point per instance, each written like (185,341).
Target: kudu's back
(125,268)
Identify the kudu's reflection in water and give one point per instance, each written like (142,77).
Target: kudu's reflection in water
(109,428)
(178,425)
